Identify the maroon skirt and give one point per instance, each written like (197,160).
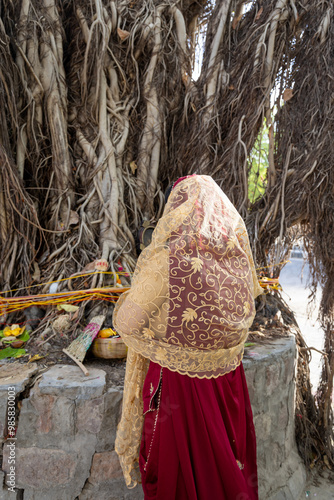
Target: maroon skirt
(198,439)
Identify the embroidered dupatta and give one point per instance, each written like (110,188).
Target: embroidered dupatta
(191,302)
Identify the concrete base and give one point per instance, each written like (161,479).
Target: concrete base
(270,372)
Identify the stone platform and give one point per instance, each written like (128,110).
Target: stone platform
(67,423)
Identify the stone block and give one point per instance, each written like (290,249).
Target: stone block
(106,480)
(30,494)
(135,494)
(42,468)
(16,376)
(90,415)
(70,382)
(115,490)
(112,413)
(4,493)
(46,421)
(53,474)
(18,379)
(43,405)
(105,466)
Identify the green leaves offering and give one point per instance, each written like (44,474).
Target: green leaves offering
(24,336)
(11,352)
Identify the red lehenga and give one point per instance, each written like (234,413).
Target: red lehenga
(198,439)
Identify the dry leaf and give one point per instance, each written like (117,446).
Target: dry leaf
(185,78)
(287,94)
(17,344)
(231,87)
(74,218)
(37,273)
(123,34)
(75,315)
(133,167)
(89,267)
(236,20)
(67,307)
(258,15)
(35,358)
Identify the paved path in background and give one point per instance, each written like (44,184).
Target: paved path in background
(293,279)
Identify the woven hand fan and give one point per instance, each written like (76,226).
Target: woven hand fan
(78,348)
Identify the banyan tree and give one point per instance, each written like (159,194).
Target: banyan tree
(103,103)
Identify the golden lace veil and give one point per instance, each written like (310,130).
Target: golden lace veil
(191,300)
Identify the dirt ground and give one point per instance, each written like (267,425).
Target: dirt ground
(319,488)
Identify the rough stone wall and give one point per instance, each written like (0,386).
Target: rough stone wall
(67,424)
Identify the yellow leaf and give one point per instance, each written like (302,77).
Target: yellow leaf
(196,264)
(133,167)
(35,358)
(67,307)
(189,315)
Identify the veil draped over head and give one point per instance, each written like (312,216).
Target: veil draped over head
(191,301)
